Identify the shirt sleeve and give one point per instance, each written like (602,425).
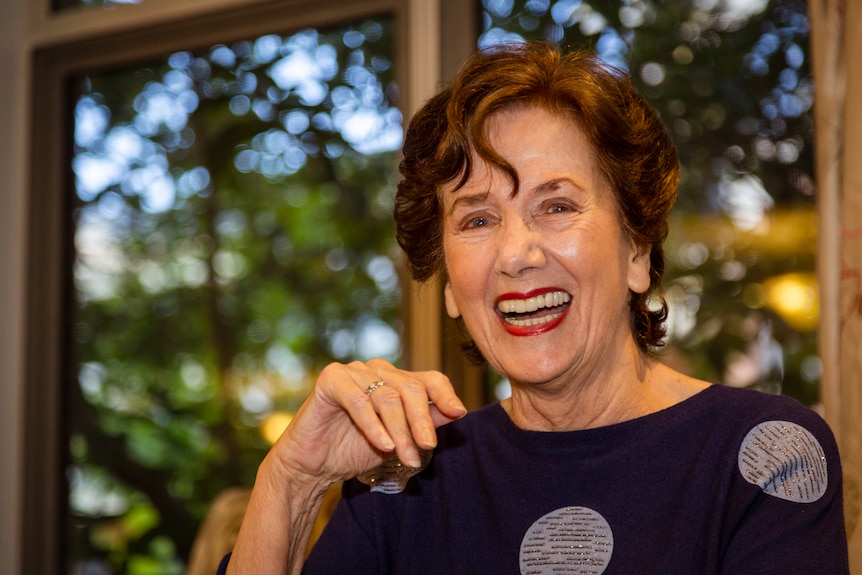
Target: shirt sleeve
(786,505)
(222,566)
(348,543)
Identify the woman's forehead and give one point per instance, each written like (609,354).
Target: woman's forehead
(526,142)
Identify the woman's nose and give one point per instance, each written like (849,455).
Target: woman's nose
(519,248)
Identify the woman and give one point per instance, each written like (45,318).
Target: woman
(539,187)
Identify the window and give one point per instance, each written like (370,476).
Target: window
(224,219)
(232,237)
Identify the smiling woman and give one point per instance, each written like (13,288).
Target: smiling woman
(559,232)
(543,183)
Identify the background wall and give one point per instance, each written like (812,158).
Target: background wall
(13,143)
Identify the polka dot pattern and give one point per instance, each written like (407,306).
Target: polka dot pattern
(785,460)
(568,541)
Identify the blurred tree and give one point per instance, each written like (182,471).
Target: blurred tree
(733,83)
(232,236)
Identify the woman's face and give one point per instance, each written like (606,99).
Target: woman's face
(541,277)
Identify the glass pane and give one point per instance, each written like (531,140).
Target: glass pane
(232,237)
(733,83)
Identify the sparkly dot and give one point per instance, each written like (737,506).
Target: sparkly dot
(785,460)
(570,540)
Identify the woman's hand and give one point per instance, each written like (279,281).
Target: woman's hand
(342,429)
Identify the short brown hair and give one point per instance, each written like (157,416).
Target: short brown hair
(634,151)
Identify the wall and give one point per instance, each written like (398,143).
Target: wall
(13,138)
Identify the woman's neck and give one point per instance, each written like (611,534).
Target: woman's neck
(641,387)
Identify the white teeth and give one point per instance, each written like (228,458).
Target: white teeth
(532,321)
(532,304)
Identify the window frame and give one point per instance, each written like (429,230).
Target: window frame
(78,40)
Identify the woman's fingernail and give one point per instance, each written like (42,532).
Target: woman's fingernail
(413,462)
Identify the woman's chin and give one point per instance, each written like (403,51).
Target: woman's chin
(530,374)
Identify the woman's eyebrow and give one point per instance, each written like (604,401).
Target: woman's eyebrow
(554,185)
(471,199)
(468,200)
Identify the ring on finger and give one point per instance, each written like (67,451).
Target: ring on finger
(374,385)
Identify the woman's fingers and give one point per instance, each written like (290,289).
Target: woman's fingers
(442,395)
(404,404)
(400,404)
(430,386)
(340,385)
(389,404)
(395,410)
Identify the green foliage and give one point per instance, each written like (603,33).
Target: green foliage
(233,236)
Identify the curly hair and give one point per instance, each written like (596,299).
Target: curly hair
(634,151)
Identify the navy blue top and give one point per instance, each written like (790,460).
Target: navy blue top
(727,481)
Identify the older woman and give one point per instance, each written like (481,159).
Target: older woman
(538,186)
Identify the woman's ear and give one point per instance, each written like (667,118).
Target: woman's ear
(451,306)
(639,268)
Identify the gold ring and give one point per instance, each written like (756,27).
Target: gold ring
(374,385)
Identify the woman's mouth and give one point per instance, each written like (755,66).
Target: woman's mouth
(535,313)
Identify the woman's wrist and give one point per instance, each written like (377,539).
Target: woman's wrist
(279,519)
(290,483)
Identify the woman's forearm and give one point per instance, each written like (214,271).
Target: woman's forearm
(277,524)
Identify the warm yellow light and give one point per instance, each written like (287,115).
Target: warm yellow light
(274,424)
(794,297)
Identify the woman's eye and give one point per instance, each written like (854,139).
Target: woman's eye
(559,208)
(475,220)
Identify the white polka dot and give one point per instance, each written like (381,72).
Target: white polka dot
(569,541)
(785,460)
